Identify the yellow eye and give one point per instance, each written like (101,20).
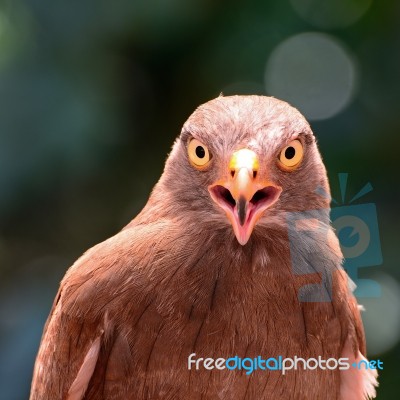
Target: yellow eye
(198,153)
(291,155)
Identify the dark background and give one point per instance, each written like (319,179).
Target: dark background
(93,93)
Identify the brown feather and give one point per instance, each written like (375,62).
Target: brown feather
(81,382)
(175,281)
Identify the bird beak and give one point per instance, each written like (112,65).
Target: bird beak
(244,196)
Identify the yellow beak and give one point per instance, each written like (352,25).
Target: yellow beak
(244,196)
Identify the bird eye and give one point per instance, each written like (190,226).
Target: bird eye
(198,153)
(291,155)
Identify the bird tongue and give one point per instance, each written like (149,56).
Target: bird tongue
(243,214)
(241,209)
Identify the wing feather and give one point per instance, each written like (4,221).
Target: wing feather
(81,382)
(85,351)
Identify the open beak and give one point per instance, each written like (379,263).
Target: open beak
(244,196)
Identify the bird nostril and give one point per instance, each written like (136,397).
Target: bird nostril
(233,173)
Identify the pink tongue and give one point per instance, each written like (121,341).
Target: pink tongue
(249,210)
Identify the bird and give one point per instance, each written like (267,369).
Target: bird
(233,257)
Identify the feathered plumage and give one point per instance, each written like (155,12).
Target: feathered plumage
(199,272)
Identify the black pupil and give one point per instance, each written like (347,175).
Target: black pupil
(290,152)
(200,152)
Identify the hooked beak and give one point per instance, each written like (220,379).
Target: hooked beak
(243,196)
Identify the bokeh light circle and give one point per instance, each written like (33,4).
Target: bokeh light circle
(329,14)
(382,316)
(314,72)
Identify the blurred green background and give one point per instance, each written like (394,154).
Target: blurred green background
(93,93)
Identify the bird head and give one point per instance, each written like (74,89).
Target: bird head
(245,161)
